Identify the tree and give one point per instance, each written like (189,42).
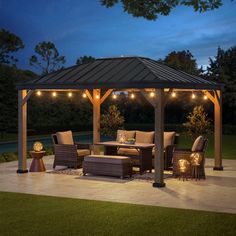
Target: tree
(9,43)
(9,76)
(111,121)
(84,60)
(198,122)
(182,60)
(223,70)
(48,58)
(151,9)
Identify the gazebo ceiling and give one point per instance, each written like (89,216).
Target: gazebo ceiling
(120,73)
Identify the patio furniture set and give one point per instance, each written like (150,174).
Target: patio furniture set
(121,156)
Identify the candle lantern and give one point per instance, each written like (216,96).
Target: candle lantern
(38,146)
(183,167)
(196,159)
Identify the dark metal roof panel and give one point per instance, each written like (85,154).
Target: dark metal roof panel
(123,72)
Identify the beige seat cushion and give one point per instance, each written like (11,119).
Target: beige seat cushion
(65,137)
(83,152)
(107,159)
(169,138)
(198,144)
(126,133)
(144,137)
(128,151)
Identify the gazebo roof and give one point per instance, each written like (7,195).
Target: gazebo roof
(120,73)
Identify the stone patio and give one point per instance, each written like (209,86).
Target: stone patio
(216,193)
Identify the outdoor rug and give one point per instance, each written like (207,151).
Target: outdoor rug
(146,177)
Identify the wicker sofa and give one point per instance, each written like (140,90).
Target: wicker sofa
(67,152)
(170,141)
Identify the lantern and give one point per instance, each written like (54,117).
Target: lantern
(183,167)
(38,146)
(196,158)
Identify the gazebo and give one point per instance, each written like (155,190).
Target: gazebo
(99,78)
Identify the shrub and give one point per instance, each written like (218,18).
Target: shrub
(198,123)
(111,121)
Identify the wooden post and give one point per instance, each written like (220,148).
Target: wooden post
(159,139)
(22,132)
(218,130)
(96,118)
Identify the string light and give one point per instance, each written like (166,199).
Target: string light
(205,97)
(132,96)
(152,94)
(97,96)
(84,95)
(114,96)
(39,93)
(193,96)
(54,94)
(173,94)
(69,94)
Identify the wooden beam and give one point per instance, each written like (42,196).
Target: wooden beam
(209,95)
(89,95)
(218,130)
(107,93)
(148,98)
(22,131)
(96,119)
(26,98)
(159,139)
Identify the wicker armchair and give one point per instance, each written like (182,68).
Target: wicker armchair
(185,155)
(70,155)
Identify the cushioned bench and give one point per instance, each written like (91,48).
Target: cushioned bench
(107,165)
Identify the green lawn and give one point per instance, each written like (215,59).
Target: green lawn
(228,145)
(23,214)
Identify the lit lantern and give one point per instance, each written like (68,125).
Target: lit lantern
(69,94)
(39,93)
(183,167)
(38,146)
(196,158)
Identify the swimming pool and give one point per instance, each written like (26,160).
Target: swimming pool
(47,142)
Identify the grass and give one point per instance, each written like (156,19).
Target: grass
(23,214)
(228,146)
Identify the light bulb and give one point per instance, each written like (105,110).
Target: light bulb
(54,94)
(114,96)
(152,94)
(132,96)
(205,97)
(97,96)
(193,96)
(39,93)
(69,94)
(173,94)
(84,95)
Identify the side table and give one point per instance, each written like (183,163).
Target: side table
(37,164)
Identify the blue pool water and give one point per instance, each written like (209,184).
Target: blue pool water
(47,142)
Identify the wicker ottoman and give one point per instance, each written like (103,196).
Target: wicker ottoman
(107,165)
